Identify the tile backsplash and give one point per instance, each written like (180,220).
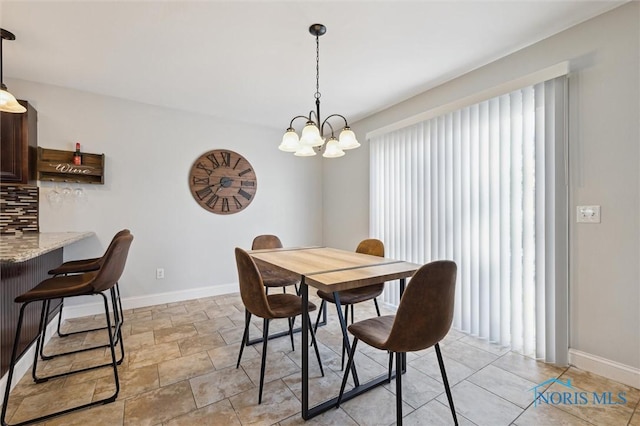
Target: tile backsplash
(19,209)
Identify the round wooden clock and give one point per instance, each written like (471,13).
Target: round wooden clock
(222,181)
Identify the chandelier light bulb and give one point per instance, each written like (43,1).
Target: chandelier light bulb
(305,151)
(8,103)
(332,149)
(348,139)
(311,135)
(290,141)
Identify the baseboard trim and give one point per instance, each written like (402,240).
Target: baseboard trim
(26,360)
(85,309)
(613,370)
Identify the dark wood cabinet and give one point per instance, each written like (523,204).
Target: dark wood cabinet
(18,143)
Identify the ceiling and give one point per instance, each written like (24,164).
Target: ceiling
(254,61)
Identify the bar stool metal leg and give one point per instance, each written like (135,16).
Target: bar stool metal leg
(68,410)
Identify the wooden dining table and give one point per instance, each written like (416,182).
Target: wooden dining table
(333,270)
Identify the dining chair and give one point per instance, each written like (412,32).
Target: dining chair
(87,284)
(348,298)
(266,306)
(270,276)
(422,320)
(79,267)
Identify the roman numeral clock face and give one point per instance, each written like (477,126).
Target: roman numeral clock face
(222,181)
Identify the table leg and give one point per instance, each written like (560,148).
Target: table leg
(345,336)
(402,355)
(304,292)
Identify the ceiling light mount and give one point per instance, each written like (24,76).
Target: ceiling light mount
(8,102)
(313,131)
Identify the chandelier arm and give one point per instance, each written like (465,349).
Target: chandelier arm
(328,124)
(296,117)
(336,115)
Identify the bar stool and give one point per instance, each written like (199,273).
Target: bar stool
(423,318)
(79,267)
(87,284)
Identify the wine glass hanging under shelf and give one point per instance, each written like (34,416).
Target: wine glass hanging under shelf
(57,166)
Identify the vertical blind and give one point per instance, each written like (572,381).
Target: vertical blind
(486,187)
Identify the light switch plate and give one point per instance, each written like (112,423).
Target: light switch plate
(588,214)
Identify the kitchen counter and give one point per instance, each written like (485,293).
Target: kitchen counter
(24,262)
(20,248)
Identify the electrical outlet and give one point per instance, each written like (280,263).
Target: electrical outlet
(588,214)
(160,273)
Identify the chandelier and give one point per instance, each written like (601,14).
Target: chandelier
(312,134)
(8,102)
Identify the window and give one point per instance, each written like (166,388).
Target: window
(485,186)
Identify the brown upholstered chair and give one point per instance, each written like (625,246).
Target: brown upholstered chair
(267,307)
(80,267)
(423,319)
(270,276)
(348,298)
(87,284)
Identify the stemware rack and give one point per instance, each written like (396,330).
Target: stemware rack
(57,166)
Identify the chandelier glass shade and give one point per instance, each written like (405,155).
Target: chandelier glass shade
(8,102)
(312,136)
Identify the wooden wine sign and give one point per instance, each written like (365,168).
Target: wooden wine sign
(57,166)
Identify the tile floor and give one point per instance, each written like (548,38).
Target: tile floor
(179,369)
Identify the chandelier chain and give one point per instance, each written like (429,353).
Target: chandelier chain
(317,95)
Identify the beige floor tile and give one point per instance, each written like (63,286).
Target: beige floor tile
(330,418)
(183,368)
(528,368)
(174,333)
(223,311)
(428,364)
(213,325)
(168,311)
(140,340)
(49,402)
(480,406)
(101,415)
(151,325)
(548,415)
(321,388)
(226,356)
(434,413)
(132,382)
(200,343)
(278,403)
(635,420)
(221,384)
(278,366)
(417,387)
(189,318)
(218,414)
(484,345)
(159,405)
(468,355)
(376,407)
(591,411)
(153,354)
(513,388)
(593,383)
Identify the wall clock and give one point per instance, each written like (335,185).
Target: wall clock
(222,181)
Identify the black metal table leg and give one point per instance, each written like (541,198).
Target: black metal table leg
(304,292)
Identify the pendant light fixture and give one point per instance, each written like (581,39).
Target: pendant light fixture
(312,136)
(8,102)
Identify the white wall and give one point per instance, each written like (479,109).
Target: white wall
(604,158)
(149,152)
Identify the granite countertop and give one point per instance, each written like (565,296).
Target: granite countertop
(19,248)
